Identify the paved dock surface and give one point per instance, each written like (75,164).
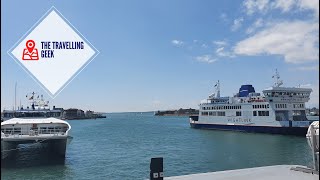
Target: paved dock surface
(278,172)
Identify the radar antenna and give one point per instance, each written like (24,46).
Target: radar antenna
(277,80)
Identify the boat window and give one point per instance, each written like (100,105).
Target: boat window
(238,113)
(254,113)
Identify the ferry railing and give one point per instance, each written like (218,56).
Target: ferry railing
(21,133)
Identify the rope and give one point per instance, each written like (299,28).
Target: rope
(25,146)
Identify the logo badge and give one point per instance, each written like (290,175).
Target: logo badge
(53,52)
(30,53)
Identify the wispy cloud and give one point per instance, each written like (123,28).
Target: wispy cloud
(257,24)
(220,43)
(307,68)
(206,58)
(283,5)
(297,41)
(310,5)
(263,6)
(237,23)
(222,53)
(224,17)
(177,42)
(252,6)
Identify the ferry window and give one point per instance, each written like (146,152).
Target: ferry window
(267,105)
(254,113)
(267,113)
(210,113)
(238,113)
(223,113)
(214,114)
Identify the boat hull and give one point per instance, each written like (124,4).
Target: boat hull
(297,131)
(56,146)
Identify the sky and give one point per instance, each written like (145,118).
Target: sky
(159,55)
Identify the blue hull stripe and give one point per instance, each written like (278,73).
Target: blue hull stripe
(298,131)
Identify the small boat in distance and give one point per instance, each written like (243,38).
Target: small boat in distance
(280,110)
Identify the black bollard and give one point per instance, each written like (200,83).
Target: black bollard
(156,168)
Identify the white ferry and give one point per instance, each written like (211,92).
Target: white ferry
(279,110)
(34,126)
(39,107)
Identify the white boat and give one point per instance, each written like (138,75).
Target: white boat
(32,127)
(38,108)
(279,110)
(50,131)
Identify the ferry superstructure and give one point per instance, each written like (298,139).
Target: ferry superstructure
(279,110)
(39,107)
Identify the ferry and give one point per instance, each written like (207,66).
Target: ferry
(38,107)
(38,125)
(279,110)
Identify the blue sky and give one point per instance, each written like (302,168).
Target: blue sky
(169,54)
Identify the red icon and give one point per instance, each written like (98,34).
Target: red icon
(30,52)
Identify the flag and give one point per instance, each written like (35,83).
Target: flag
(31,98)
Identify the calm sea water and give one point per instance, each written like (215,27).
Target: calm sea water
(121,146)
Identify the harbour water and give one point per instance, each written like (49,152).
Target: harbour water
(121,146)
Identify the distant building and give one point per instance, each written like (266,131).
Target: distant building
(89,114)
(73,113)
